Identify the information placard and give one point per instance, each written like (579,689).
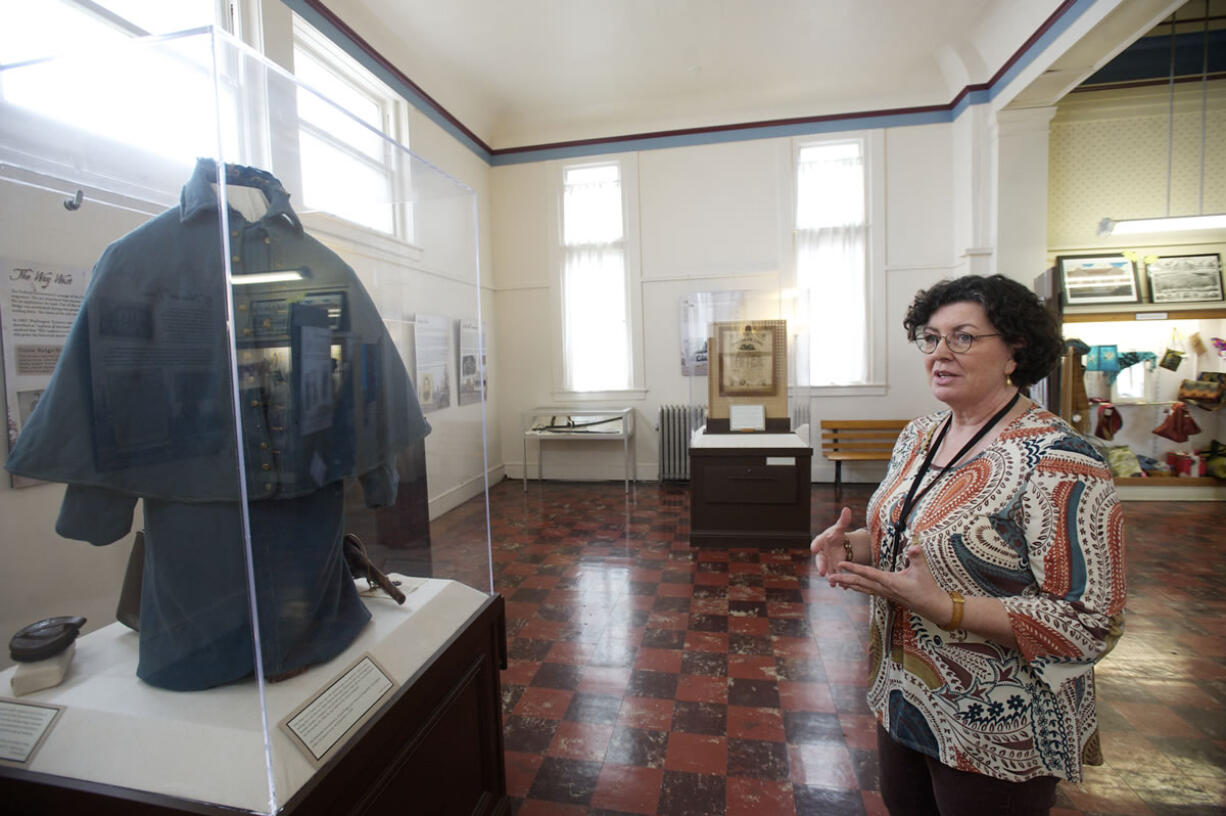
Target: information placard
(23,728)
(322,723)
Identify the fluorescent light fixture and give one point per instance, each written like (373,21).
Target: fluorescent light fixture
(1174,223)
(266,277)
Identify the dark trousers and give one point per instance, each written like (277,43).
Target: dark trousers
(915,784)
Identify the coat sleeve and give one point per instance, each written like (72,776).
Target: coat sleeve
(95,514)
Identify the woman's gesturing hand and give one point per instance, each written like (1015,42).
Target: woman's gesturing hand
(829,545)
(912,587)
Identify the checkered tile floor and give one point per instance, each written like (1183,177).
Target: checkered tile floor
(649,677)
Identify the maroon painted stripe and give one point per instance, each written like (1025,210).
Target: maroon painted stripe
(1032,39)
(766,123)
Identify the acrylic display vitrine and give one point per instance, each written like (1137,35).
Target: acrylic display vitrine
(244,382)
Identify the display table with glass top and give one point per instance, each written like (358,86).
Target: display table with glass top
(579,424)
(749,489)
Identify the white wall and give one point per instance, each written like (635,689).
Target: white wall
(714,217)
(456,475)
(44,574)
(442,283)
(1109,158)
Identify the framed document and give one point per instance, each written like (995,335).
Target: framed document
(1098,279)
(747,358)
(748,374)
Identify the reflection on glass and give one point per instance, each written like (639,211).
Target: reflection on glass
(142,407)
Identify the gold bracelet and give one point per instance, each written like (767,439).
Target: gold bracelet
(955,622)
(847,550)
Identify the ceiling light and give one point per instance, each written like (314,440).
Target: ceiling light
(1175,223)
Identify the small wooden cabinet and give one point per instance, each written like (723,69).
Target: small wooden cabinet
(749,490)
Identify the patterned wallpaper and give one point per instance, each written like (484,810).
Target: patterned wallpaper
(1108,157)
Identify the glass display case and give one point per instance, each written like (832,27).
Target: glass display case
(748,452)
(743,357)
(240,419)
(545,425)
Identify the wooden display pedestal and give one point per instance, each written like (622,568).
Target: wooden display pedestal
(435,748)
(749,490)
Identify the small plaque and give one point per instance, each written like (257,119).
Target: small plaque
(790,461)
(23,728)
(747,417)
(321,724)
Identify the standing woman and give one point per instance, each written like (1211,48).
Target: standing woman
(994,555)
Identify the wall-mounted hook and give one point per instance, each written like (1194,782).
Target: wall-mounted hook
(74,203)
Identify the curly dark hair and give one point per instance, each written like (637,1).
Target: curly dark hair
(1015,312)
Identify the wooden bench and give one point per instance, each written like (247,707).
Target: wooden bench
(858,440)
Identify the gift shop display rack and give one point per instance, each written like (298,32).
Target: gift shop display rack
(1154,487)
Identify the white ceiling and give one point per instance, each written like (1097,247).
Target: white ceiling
(527,72)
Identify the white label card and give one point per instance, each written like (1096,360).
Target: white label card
(23,727)
(747,417)
(321,724)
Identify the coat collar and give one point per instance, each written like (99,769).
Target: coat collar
(199,196)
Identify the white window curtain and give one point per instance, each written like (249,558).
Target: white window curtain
(595,309)
(831,260)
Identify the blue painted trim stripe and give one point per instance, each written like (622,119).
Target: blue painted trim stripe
(1032,50)
(979,96)
(713,136)
(327,23)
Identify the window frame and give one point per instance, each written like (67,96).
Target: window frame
(873,151)
(394,125)
(628,174)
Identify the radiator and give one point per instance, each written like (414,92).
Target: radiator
(677,424)
(800,414)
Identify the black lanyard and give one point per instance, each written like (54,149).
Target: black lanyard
(912,498)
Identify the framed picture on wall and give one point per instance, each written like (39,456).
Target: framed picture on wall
(1089,279)
(1185,278)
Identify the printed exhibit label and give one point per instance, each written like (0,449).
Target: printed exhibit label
(23,727)
(323,722)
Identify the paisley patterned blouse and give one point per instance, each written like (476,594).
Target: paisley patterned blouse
(1034,520)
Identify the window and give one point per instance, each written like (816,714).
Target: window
(595,308)
(834,251)
(347,166)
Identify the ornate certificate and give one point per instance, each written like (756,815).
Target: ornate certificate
(747,359)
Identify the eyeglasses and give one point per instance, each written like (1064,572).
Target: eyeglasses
(958,342)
